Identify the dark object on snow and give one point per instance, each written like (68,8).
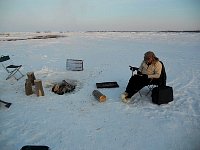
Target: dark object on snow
(6,103)
(62,88)
(35,147)
(162,95)
(99,96)
(107,85)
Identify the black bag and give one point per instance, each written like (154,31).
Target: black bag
(162,95)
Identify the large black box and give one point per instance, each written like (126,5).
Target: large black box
(162,95)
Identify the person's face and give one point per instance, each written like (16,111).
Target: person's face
(148,59)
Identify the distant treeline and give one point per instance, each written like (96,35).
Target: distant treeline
(35,37)
(170,31)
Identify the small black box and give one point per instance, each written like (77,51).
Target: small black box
(162,95)
(35,147)
(107,85)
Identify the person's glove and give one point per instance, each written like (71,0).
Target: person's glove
(145,76)
(139,72)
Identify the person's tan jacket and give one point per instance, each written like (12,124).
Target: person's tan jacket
(153,70)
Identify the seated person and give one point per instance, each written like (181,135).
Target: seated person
(149,69)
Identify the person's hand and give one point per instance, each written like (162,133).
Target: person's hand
(145,76)
(139,72)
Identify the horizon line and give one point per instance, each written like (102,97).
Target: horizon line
(177,31)
(145,31)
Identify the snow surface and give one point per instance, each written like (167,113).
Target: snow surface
(77,121)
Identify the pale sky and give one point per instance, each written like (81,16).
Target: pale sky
(96,15)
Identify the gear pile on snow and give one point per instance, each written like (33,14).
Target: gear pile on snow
(62,88)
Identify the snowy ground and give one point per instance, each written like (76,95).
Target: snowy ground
(77,121)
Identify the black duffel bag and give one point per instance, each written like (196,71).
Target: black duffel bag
(162,95)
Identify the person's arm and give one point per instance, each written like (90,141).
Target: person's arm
(158,68)
(139,71)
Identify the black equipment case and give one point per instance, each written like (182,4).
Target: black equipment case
(162,95)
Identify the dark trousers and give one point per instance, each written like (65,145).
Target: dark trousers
(135,84)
